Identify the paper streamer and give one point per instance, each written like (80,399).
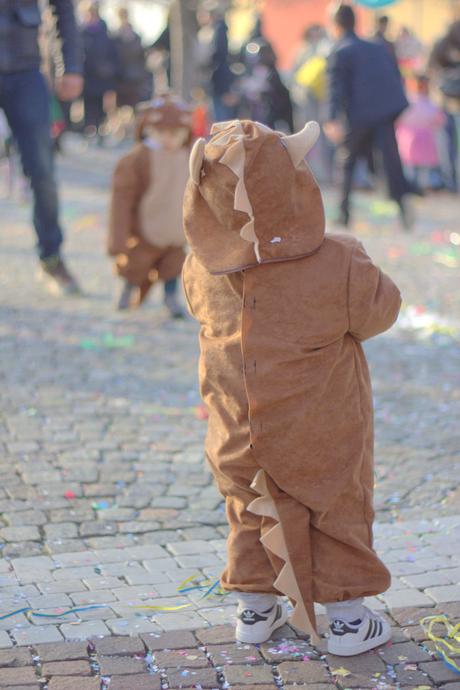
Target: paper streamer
(445,646)
(211,586)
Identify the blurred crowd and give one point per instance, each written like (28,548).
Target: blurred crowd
(120,72)
(386,104)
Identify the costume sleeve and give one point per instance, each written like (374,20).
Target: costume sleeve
(70,44)
(123,204)
(373,299)
(185,271)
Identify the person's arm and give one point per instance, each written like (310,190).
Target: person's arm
(69,82)
(126,190)
(374,300)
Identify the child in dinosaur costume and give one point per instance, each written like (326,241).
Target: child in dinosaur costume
(145,228)
(283,310)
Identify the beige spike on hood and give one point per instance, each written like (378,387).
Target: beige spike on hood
(251,198)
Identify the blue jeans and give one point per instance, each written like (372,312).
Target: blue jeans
(25,99)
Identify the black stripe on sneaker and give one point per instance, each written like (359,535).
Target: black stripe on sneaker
(370,630)
(380,628)
(278,613)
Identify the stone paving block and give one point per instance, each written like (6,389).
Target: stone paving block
(35,634)
(199,560)
(84,631)
(299,672)
(14,534)
(56,586)
(140,592)
(234,653)
(74,667)
(67,651)
(181,658)
(162,565)
(430,579)
(119,646)
(95,529)
(102,582)
(219,615)
(25,517)
(193,678)
(248,675)
(69,684)
(147,578)
(5,641)
(49,601)
(77,573)
(15,657)
(446,594)
(99,596)
(132,626)
(139,682)
(19,620)
(75,559)
(287,650)
(439,672)
(405,652)
(121,666)
(407,597)
(12,677)
(412,616)
(61,530)
(169,640)
(197,546)
(218,634)
(408,675)
(181,621)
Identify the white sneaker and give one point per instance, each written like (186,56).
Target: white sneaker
(254,627)
(348,639)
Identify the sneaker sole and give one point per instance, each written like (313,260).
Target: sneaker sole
(250,638)
(360,648)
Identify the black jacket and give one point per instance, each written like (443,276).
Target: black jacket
(19,24)
(364,83)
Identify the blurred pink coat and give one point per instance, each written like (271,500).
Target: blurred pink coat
(416,133)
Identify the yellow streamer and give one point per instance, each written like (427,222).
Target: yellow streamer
(443,645)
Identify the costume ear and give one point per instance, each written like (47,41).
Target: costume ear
(196,160)
(298,145)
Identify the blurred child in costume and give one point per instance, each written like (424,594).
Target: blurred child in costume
(417,134)
(145,228)
(283,309)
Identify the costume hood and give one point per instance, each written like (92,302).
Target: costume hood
(251,198)
(163,112)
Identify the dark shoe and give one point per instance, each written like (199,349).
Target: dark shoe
(57,277)
(174,308)
(125,297)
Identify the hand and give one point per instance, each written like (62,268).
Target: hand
(335,132)
(69,86)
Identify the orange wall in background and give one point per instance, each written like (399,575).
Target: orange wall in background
(284,22)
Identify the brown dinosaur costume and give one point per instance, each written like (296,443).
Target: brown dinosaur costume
(283,309)
(145,224)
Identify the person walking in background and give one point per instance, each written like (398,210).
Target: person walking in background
(100,68)
(365,97)
(266,97)
(380,35)
(222,77)
(416,133)
(131,77)
(25,99)
(445,63)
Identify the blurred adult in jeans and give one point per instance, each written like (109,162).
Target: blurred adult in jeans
(25,100)
(100,67)
(365,97)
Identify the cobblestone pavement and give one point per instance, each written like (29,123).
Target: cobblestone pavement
(105,500)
